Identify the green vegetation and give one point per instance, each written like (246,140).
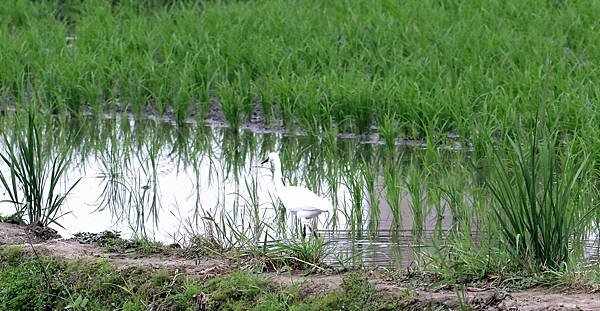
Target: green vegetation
(11,253)
(33,182)
(47,283)
(300,254)
(355,293)
(428,66)
(463,80)
(460,245)
(541,210)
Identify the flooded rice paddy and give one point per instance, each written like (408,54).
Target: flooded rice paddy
(392,205)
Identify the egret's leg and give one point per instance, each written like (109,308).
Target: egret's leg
(303,231)
(312,230)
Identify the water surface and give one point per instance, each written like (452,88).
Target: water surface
(167,183)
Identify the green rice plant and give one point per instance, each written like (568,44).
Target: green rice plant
(312,111)
(33,182)
(414,183)
(369,176)
(253,202)
(393,183)
(354,186)
(388,129)
(460,203)
(236,100)
(332,177)
(538,194)
(316,65)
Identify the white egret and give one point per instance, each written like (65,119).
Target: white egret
(299,201)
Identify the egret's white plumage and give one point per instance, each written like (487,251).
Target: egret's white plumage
(299,201)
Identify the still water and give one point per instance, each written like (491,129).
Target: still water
(168,183)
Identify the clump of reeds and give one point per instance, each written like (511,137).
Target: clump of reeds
(32,181)
(538,194)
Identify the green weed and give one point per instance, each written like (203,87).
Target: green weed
(538,191)
(33,182)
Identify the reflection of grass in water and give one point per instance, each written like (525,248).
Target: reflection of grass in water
(130,189)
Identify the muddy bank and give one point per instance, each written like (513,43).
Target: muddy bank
(312,285)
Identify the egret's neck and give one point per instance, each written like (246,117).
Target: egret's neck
(277,177)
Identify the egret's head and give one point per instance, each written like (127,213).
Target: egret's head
(271,157)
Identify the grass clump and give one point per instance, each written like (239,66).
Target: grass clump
(11,253)
(236,291)
(300,254)
(539,198)
(32,183)
(356,293)
(204,246)
(15,218)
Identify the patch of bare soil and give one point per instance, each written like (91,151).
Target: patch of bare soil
(13,234)
(526,300)
(311,285)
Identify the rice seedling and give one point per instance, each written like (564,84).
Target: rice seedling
(388,129)
(394,192)
(353,184)
(414,184)
(318,65)
(33,181)
(369,176)
(236,101)
(456,198)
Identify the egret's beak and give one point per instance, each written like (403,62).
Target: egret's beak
(265,161)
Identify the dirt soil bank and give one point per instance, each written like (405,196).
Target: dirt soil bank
(489,299)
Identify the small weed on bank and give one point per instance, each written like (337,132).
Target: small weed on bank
(11,253)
